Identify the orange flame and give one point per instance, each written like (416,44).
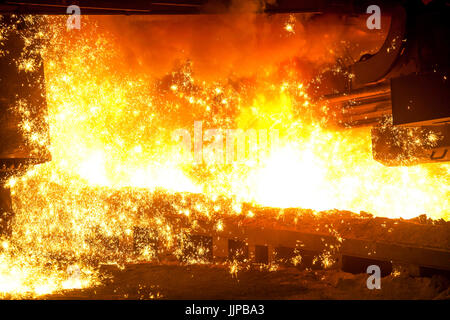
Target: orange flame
(111,130)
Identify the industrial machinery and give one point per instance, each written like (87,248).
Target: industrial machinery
(406,79)
(402,91)
(22,97)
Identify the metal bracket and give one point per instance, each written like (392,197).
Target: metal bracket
(378,66)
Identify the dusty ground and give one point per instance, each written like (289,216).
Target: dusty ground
(146,281)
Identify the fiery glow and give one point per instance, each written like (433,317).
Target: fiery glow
(112,154)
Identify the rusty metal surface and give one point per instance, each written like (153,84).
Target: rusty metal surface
(335,233)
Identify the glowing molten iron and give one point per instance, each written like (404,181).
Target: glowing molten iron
(111,131)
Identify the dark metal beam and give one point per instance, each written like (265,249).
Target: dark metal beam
(183,6)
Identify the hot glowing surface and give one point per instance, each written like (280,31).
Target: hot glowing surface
(111,139)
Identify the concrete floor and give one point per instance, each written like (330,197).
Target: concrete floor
(147,281)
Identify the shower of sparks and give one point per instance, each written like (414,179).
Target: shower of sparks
(290,24)
(289,27)
(114,162)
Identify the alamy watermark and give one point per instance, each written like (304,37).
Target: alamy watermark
(374,281)
(374,20)
(74,20)
(226,146)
